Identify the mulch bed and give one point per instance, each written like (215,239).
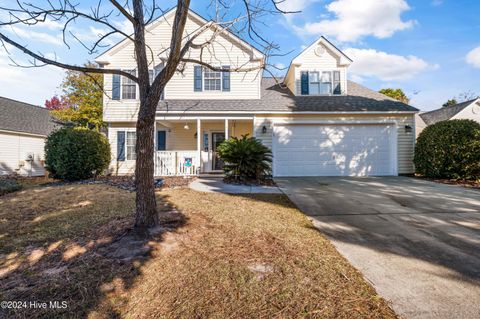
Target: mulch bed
(128,182)
(458,182)
(258,182)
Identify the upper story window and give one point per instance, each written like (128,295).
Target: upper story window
(152,74)
(212,80)
(320,83)
(129,87)
(205,79)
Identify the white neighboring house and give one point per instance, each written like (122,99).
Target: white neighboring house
(469,110)
(23,129)
(317,123)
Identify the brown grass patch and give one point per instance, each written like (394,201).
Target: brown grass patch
(252,256)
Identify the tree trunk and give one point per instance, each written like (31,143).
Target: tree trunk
(146,205)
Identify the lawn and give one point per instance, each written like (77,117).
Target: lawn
(216,256)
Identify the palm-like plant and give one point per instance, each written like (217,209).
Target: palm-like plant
(245,158)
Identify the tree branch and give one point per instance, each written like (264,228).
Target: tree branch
(124,12)
(38,57)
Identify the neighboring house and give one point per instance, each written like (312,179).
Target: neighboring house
(23,129)
(465,110)
(316,123)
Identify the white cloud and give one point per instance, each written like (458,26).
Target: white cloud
(369,63)
(43,37)
(437,3)
(295,5)
(473,57)
(42,83)
(355,19)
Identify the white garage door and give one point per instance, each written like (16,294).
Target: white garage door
(334,150)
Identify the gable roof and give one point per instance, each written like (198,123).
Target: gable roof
(101,59)
(445,113)
(25,118)
(278,99)
(329,45)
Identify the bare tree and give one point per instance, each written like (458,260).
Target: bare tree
(139,14)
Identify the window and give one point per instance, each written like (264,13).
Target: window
(131,142)
(153,73)
(129,87)
(212,80)
(326,85)
(313,83)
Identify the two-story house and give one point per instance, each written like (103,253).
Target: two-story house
(316,122)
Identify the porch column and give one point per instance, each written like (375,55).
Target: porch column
(199,145)
(226,129)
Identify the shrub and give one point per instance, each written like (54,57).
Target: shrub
(8,185)
(449,149)
(75,153)
(245,158)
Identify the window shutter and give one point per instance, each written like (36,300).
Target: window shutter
(197,81)
(226,78)
(161,140)
(120,145)
(304,82)
(156,71)
(337,87)
(115,87)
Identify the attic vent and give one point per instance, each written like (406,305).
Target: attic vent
(319,50)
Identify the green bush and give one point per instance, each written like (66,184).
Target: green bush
(75,153)
(8,186)
(245,158)
(449,149)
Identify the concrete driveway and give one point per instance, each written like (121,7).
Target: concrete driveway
(417,242)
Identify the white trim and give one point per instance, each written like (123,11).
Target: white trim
(336,122)
(103,58)
(159,113)
(22,133)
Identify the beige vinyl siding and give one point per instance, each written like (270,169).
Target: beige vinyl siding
(471,112)
(405,141)
(177,138)
(180,139)
(14,150)
(224,51)
(309,61)
(119,167)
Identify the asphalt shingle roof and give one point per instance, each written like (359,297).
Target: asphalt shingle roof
(23,117)
(277,99)
(445,113)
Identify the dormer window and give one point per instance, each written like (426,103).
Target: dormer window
(320,83)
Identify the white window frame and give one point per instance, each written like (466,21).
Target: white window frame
(122,79)
(205,70)
(130,155)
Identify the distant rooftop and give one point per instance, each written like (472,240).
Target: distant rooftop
(445,113)
(23,117)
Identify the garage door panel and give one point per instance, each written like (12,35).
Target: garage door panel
(332,150)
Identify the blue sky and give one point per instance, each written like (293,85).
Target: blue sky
(429,48)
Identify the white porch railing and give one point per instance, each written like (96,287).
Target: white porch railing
(176,163)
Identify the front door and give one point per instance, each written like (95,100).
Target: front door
(217,139)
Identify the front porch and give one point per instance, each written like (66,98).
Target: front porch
(185,147)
